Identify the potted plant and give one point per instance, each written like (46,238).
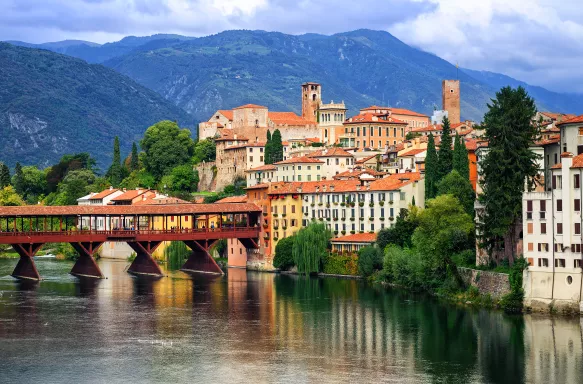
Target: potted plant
(361,204)
(381,203)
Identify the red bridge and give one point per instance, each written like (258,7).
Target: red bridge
(143,228)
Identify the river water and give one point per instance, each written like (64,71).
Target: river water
(250,327)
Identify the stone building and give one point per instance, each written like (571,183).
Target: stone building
(450,99)
(412,118)
(336,160)
(372,130)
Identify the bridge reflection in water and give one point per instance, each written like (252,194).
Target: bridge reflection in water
(86,228)
(268,328)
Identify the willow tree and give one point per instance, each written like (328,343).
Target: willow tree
(310,247)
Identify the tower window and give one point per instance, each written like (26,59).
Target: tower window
(314,97)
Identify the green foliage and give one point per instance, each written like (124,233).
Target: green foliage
(399,234)
(370,259)
(57,172)
(276,147)
(18,179)
(460,187)
(166,146)
(183,179)
(445,155)
(176,254)
(9,197)
(137,179)
(406,268)
(513,301)
(309,248)
(508,164)
(115,170)
(268,149)
(283,253)
(134,160)
(4,175)
(431,169)
(220,247)
(461,163)
(34,184)
(76,184)
(341,265)
(205,150)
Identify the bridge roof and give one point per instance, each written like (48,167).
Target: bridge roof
(85,210)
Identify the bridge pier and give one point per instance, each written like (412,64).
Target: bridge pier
(26,269)
(86,265)
(144,264)
(200,259)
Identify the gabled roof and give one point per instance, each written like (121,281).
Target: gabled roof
(558,116)
(164,200)
(356,238)
(233,199)
(364,160)
(330,186)
(373,118)
(254,106)
(395,181)
(397,111)
(330,152)
(574,120)
(413,152)
(228,113)
(287,118)
(229,134)
(577,161)
(266,167)
(131,194)
(300,160)
(356,173)
(103,194)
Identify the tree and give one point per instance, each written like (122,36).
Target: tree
(34,184)
(456,185)
(9,197)
(205,150)
(183,179)
(310,247)
(57,172)
(166,146)
(509,166)
(444,230)
(268,151)
(399,234)
(445,156)
(75,185)
(431,169)
(370,259)
(134,162)
(4,175)
(283,254)
(461,162)
(115,173)
(276,147)
(18,179)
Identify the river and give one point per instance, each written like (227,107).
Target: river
(250,327)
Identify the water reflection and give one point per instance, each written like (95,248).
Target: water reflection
(263,328)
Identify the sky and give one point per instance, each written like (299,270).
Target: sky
(537,41)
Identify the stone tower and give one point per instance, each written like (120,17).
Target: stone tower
(311,98)
(450,98)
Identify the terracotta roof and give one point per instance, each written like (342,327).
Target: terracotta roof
(577,161)
(229,134)
(227,113)
(198,200)
(554,139)
(397,111)
(558,116)
(356,173)
(301,160)
(259,186)
(356,238)
(429,128)
(395,181)
(574,120)
(131,194)
(311,186)
(471,144)
(233,199)
(373,118)
(413,152)
(254,106)
(103,194)
(289,118)
(364,160)
(161,201)
(175,209)
(266,167)
(330,152)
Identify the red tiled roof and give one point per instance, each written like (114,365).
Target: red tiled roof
(558,116)
(413,152)
(395,181)
(254,106)
(229,134)
(176,209)
(471,144)
(161,201)
(287,118)
(429,128)
(330,152)
(311,186)
(574,120)
(364,160)
(577,161)
(266,167)
(369,118)
(355,174)
(227,113)
(259,186)
(557,166)
(301,160)
(397,111)
(131,194)
(356,238)
(554,139)
(103,194)
(233,199)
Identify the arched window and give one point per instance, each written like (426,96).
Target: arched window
(314,97)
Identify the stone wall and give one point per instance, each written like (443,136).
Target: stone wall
(488,283)
(206,174)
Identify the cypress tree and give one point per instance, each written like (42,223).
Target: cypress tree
(460,158)
(4,175)
(134,160)
(276,147)
(268,155)
(18,181)
(431,169)
(445,156)
(115,172)
(507,168)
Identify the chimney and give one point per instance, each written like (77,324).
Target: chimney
(124,190)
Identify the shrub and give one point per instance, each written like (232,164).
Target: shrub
(283,254)
(341,265)
(513,302)
(369,259)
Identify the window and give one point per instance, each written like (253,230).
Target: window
(543,205)
(559,205)
(577,264)
(261,158)
(543,262)
(251,158)
(576,180)
(395,132)
(577,205)
(543,247)
(529,206)
(560,263)
(531,247)
(543,228)
(363,131)
(559,228)
(293,208)
(577,228)
(558,248)
(576,248)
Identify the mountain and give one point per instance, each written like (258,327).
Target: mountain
(52,104)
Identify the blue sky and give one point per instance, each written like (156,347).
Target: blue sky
(537,41)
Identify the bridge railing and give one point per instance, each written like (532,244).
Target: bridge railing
(126,232)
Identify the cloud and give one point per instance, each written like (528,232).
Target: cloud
(537,41)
